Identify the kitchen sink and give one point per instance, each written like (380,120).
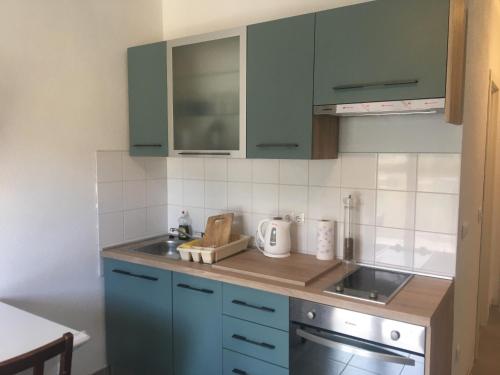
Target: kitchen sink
(166,248)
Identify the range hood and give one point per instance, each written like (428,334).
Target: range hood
(400,107)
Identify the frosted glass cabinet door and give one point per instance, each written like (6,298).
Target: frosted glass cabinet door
(206,95)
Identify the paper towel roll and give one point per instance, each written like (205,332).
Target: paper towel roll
(325,240)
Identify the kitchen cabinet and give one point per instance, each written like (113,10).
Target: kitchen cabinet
(380,51)
(206,91)
(197,325)
(147,91)
(236,363)
(138,318)
(280,67)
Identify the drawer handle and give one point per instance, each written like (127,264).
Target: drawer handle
(147,145)
(127,273)
(202,290)
(205,153)
(262,344)
(238,371)
(278,145)
(262,308)
(377,84)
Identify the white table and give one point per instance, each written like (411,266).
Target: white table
(21,332)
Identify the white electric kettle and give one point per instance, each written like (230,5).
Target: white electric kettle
(274,236)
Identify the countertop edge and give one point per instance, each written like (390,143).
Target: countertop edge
(205,271)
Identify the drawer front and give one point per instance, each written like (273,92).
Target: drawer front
(260,307)
(239,364)
(257,341)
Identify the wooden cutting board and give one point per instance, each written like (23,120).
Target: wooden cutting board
(218,230)
(297,269)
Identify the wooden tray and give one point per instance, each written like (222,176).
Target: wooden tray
(297,269)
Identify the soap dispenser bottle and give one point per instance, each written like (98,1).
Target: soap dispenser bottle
(184,225)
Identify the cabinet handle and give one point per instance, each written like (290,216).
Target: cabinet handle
(277,145)
(206,153)
(377,84)
(238,371)
(243,303)
(127,273)
(147,145)
(262,344)
(186,286)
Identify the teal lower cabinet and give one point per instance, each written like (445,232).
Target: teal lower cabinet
(197,325)
(138,318)
(257,341)
(239,364)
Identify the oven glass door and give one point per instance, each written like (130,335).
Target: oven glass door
(321,352)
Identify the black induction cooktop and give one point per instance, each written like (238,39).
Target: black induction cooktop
(370,284)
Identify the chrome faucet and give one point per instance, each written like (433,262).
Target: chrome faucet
(182,232)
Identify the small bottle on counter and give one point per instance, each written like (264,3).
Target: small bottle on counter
(184,225)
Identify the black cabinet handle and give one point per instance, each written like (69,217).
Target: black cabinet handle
(262,344)
(277,145)
(127,273)
(147,145)
(202,290)
(238,371)
(243,303)
(206,153)
(377,84)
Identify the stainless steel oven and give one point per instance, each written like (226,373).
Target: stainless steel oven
(326,340)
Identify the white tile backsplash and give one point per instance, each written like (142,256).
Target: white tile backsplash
(239,196)
(364,202)
(216,195)
(396,209)
(324,173)
(265,199)
(439,173)
(216,169)
(134,224)
(134,194)
(265,171)
(110,198)
(397,172)
(194,193)
(437,213)
(239,170)
(294,172)
(394,247)
(405,213)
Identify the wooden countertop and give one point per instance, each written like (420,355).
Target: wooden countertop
(416,303)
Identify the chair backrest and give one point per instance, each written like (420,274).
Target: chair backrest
(36,358)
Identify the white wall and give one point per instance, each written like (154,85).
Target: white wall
(190,17)
(63,95)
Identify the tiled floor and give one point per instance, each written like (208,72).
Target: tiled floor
(489,347)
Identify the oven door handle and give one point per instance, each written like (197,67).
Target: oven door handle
(393,358)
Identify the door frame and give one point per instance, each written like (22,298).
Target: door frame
(488,208)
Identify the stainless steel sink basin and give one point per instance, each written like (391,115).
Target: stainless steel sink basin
(167,248)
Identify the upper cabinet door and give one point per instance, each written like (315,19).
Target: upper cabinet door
(147,90)
(380,51)
(207,94)
(280,67)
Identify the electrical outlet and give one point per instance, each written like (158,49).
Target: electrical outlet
(297,218)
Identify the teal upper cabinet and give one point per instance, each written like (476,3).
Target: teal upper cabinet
(380,51)
(138,318)
(280,66)
(147,89)
(197,325)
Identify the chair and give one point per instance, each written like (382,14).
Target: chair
(36,358)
